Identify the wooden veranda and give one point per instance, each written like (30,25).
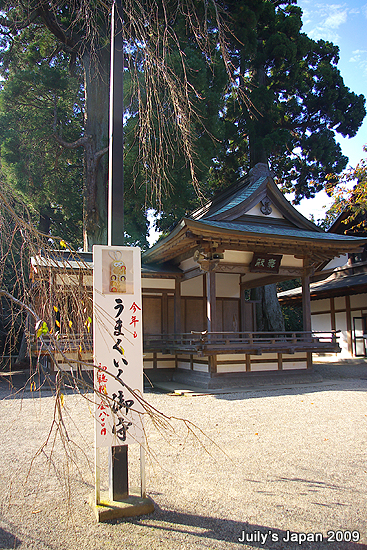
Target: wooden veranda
(255,343)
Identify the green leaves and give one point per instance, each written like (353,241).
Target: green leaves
(41,328)
(297,100)
(39,96)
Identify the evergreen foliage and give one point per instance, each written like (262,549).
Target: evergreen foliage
(298,100)
(35,96)
(211,88)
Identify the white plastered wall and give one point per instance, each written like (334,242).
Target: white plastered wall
(192,287)
(147,283)
(227,285)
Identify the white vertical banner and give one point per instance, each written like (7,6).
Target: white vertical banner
(118,345)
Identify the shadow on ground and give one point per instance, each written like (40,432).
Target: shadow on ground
(8,540)
(255,536)
(22,385)
(335,376)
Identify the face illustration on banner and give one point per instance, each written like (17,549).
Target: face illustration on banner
(117,272)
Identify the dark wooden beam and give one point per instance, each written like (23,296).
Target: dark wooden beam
(306,297)
(211,300)
(177,306)
(192,273)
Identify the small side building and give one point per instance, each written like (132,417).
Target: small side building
(338,292)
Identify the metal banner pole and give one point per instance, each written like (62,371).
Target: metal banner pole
(116,168)
(97,479)
(142,472)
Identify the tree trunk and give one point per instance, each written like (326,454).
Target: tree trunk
(44,222)
(96,86)
(269,317)
(23,359)
(257,127)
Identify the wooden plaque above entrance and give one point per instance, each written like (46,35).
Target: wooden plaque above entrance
(265,263)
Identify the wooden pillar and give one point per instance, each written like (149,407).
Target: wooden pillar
(177,306)
(205,322)
(248,362)
(164,312)
(306,297)
(211,309)
(349,324)
(118,473)
(242,308)
(332,314)
(212,364)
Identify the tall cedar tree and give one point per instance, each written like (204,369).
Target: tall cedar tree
(81,30)
(298,100)
(46,177)
(74,40)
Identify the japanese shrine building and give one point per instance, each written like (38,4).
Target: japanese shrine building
(198,324)
(195,280)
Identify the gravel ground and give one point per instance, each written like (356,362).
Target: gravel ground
(264,463)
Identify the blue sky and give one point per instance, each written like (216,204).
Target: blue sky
(344,24)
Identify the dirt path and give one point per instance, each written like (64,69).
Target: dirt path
(274,462)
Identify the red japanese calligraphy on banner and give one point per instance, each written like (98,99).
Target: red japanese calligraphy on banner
(117,340)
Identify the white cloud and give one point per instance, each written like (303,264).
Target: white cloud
(357,55)
(321,33)
(327,19)
(364,10)
(335,19)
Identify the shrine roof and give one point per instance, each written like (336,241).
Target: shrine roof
(161,269)
(249,214)
(246,190)
(268,228)
(255,192)
(342,281)
(60,260)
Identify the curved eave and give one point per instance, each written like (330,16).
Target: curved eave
(154,254)
(345,285)
(268,230)
(189,233)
